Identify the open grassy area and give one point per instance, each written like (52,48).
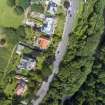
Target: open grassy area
(8,17)
(5,53)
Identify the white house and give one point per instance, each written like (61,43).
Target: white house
(19,49)
(48,26)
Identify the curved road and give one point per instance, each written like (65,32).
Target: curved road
(62,46)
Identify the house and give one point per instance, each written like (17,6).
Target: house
(21,88)
(48,26)
(42,42)
(52,8)
(27,63)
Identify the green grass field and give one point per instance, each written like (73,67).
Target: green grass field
(8,17)
(5,52)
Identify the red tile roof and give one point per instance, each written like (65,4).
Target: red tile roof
(43,42)
(21,88)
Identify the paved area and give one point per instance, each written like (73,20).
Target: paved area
(60,52)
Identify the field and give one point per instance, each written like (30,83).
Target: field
(5,52)
(11,37)
(8,18)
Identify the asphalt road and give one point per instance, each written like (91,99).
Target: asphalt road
(67,30)
(60,52)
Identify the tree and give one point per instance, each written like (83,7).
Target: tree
(11,3)
(19,10)
(23,3)
(66,4)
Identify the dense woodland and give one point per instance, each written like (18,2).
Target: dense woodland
(92,92)
(19,5)
(82,75)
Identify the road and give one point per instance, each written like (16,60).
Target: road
(62,46)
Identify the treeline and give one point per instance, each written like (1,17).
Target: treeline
(79,59)
(19,5)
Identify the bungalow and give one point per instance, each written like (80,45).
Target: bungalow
(27,63)
(52,8)
(48,26)
(42,42)
(21,88)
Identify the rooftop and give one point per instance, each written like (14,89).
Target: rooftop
(27,63)
(21,88)
(43,42)
(19,49)
(48,26)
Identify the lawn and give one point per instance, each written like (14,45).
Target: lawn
(8,17)
(5,52)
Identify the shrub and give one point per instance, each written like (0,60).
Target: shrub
(23,3)
(19,10)
(11,3)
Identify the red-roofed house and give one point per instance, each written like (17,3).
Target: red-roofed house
(43,42)
(21,88)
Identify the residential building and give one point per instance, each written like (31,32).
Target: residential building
(27,63)
(42,42)
(21,88)
(48,26)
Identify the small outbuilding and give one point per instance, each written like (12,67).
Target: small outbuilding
(19,49)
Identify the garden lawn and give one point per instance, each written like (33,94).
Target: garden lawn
(8,18)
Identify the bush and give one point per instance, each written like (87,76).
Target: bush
(23,3)
(19,10)
(66,4)
(37,8)
(2,41)
(11,3)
